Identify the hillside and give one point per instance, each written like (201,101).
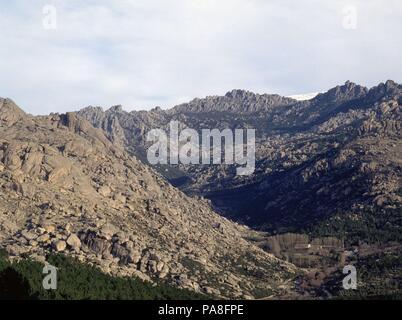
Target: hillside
(66,188)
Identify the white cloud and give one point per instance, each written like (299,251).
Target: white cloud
(143,53)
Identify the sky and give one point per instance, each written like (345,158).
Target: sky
(63,55)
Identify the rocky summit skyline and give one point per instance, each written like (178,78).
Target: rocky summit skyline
(148,53)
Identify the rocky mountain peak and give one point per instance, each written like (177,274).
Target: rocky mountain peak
(239,94)
(348,91)
(384,91)
(235,101)
(157,109)
(392,83)
(92,109)
(115,109)
(10,112)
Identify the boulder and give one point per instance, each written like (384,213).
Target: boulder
(59,245)
(43,238)
(50,228)
(73,241)
(104,191)
(28,235)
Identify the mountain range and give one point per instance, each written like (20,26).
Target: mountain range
(328,176)
(325,165)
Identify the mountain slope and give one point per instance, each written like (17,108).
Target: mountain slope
(65,187)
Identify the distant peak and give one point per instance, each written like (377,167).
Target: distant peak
(388,89)
(157,109)
(347,91)
(349,85)
(116,109)
(235,101)
(391,83)
(388,86)
(244,94)
(92,108)
(238,93)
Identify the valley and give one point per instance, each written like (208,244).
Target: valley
(325,167)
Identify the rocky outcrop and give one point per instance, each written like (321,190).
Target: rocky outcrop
(10,113)
(235,101)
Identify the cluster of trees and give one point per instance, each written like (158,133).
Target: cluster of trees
(379,277)
(286,242)
(372,226)
(78,281)
(304,251)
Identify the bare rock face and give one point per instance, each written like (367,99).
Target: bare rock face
(81,195)
(235,101)
(73,241)
(10,113)
(59,245)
